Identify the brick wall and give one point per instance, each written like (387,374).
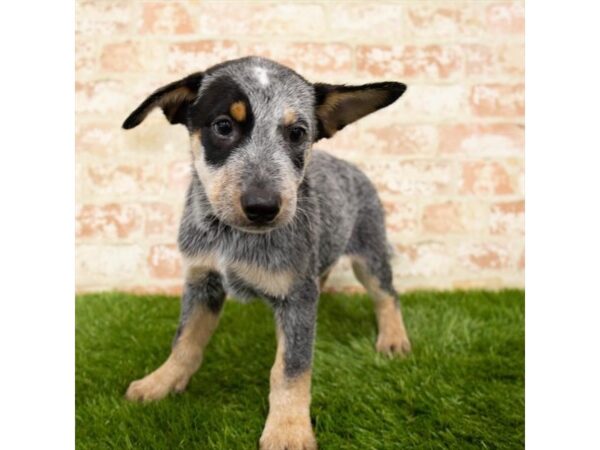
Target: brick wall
(447,158)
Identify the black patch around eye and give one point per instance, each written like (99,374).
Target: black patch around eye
(296,134)
(223,127)
(216,101)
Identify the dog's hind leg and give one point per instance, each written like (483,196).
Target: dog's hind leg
(202,301)
(368,250)
(373,275)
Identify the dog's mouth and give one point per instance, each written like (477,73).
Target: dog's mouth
(257,229)
(263,226)
(243,223)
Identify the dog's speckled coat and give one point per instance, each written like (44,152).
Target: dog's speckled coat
(327,208)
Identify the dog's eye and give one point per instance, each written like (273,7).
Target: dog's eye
(296,134)
(223,127)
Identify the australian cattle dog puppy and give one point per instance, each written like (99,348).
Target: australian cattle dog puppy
(266,216)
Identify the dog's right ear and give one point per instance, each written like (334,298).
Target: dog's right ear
(174,100)
(340,105)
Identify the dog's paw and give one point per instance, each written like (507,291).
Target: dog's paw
(154,387)
(393,344)
(288,434)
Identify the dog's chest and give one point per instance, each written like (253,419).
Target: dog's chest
(243,279)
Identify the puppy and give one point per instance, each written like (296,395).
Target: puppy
(267,217)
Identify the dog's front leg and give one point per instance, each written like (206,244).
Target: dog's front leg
(288,424)
(201,305)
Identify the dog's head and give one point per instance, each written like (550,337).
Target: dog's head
(252,123)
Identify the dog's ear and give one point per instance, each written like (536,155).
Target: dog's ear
(339,105)
(174,100)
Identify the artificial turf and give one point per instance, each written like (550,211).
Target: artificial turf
(462,387)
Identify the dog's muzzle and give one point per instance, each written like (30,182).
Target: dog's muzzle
(260,206)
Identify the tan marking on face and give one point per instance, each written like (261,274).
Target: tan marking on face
(210,178)
(195,144)
(185,359)
(392,337)
(288,423)
(273,283)
(221,184)
(289,116)
(225,194)
(237,204)
(217,189)
(238,111)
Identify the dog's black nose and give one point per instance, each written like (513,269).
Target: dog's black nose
(260,205)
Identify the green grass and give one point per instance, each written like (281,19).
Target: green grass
(463,386)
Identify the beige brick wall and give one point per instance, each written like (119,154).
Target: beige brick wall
(447,158)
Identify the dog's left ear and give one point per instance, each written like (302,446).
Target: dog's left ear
(174,100)
(339,105)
